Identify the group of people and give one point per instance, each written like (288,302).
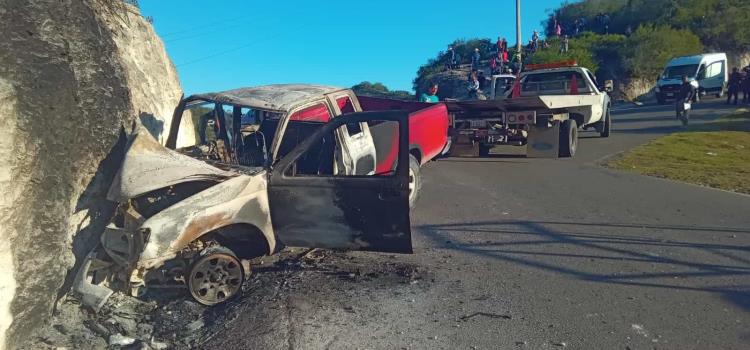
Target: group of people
(500,62)
(739,81)
(601,25)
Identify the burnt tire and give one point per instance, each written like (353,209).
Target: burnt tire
(568,138)
(215,276)
(415,181)
(607,124)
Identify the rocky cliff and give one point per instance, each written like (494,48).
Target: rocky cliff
(72,73)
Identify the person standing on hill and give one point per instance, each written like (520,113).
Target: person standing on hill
(475,58)
(558,30)
(564,44)
(450,59)
(516,65)
(735,81)
(473,86)
(431,95)
(482,80)
(499,45)
(552,24)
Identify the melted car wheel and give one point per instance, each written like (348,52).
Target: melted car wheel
(215,276)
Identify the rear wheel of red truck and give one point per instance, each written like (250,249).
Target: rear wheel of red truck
(415,182)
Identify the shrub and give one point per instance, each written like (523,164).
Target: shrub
(590,50)
(377,89)
(648,50)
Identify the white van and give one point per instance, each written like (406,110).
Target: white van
(709,70)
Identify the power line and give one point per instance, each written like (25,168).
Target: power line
(202,34)
(224,52)
(208,25)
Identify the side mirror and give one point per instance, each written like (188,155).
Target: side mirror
(609,86)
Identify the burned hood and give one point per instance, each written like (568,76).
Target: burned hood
(149,166)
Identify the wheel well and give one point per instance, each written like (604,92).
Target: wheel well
(578,118)
(417,154)
(245,240)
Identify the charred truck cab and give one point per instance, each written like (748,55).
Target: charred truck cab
(243,173)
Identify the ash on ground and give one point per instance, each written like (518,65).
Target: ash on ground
(170,319)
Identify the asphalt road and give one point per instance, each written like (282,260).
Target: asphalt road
(523,253)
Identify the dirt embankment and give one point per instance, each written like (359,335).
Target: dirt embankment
(72,73)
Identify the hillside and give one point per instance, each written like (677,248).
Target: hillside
(629,41)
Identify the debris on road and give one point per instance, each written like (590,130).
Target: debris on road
(170,319)
(640,330)
(486,314)
(120,340)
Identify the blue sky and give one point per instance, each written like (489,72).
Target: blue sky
(224,44)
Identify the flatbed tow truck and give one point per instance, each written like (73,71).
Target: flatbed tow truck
(542,112)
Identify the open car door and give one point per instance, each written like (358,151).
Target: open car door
(346,211)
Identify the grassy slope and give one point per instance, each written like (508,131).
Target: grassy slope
(715,154)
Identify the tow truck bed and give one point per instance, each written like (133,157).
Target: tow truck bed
(530,121)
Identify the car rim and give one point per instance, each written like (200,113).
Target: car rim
(215,278)
(574,141)
(412,183)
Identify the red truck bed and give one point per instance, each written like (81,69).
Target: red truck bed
(428,127)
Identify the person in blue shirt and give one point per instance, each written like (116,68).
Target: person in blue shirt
(431,95)
(475,59)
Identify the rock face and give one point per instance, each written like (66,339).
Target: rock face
(738,59)
(72,73)
(635,89)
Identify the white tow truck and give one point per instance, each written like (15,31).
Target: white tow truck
(543,111)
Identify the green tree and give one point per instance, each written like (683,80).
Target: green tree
(648,50)
(720,24)
(377,89)
(599,53)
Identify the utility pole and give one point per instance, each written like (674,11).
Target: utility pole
(518,26)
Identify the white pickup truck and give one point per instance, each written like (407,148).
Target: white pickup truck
(573,88)
(543,111)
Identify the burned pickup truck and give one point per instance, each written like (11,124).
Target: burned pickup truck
(247,171)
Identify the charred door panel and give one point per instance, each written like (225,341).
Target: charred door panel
(349,212)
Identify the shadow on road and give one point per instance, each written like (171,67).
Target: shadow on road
(585,251)
(667,118)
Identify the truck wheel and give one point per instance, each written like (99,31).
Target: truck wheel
(415,181)
(607,124)
(568,138)
(215,276)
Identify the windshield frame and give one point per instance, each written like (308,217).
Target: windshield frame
(686,69)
